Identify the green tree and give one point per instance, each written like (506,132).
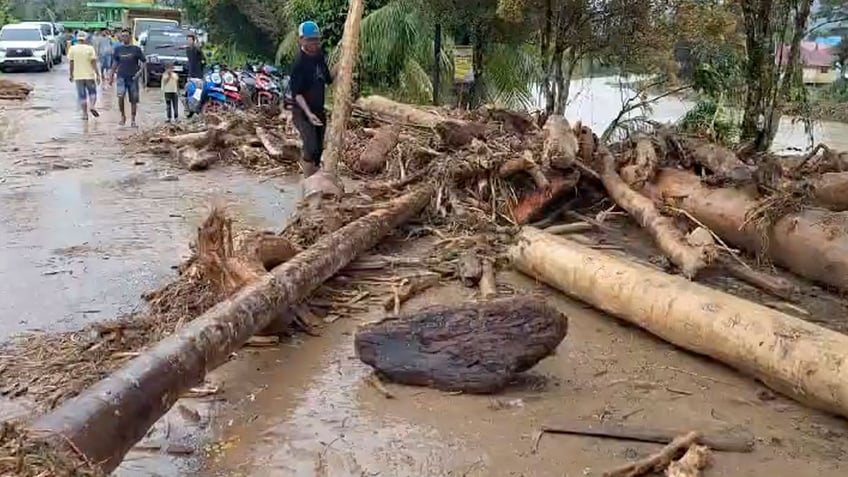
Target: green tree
(5,12)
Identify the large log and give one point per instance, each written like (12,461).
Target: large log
(830,190)
(374,156)
(668,238)
(789,355)
(473,347)
(718,159)
(405,113)
(812,243)
(560,144)
(106,420)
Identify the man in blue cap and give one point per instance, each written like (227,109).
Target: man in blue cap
(309,77)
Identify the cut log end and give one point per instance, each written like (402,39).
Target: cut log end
(475,347)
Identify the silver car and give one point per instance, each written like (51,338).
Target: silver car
(51,32)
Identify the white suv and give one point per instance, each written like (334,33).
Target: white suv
(24,46)
(51,32)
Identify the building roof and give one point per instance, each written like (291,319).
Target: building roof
(812,54)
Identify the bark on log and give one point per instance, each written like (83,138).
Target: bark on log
(792,356)
(666,235)
(830,190)
(560,146)
(106,420)
(812,243)
(474,347)
(526,164)
(374,156)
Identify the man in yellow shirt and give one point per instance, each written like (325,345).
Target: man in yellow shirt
(85,74)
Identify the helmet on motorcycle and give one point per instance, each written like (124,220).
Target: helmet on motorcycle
(309,29)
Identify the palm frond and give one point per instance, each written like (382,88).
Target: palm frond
(287,48)
(415,82)
(510,73)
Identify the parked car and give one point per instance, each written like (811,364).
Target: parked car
(163,46)
(51,32)
(24,46)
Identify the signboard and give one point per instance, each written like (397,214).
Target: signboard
(463,64)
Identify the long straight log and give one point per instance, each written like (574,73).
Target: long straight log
(812,243)
(789,355)
(106,420)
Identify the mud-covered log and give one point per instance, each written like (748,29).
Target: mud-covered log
(474,347)
(812,243)
(830,190)
(404,113)
(668,238)
(374,156)
(106,420)
(790,355)
(717,159)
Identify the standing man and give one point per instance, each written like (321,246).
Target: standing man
(126,65)
(103,46)
(309,76)
(196,58)
(84,74)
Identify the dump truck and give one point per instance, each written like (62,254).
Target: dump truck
(140,20)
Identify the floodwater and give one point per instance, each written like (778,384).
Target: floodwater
(86,230)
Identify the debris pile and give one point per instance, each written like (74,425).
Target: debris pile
(12,90)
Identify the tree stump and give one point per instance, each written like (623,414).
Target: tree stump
(476,347)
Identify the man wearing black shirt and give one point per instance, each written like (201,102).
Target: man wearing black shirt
(126,66)
(309,76)
(196,58)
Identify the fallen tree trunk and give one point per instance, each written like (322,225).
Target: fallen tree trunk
(374,156)
(668,238)
(474,347)
(791,356)
(812,243)
(718,159)
(830,190)
(106,420)
(405,113)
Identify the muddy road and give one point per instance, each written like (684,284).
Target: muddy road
(86,229)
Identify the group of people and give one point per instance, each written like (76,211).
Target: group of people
(310,74)
(119,62)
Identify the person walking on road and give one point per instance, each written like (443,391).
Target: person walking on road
(196,58)
(170,86)
(309,77)
(103,46)
(84,74)
(126,68)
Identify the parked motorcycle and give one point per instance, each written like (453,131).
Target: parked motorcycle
(217,91)
(263,84)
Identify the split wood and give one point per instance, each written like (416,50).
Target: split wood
(723,443)
(656,462)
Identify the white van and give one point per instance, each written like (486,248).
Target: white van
(53,35)
(24,46)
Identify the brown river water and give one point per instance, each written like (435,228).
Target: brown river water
(85,230)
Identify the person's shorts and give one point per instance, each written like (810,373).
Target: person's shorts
(312,137)
(105,62)
(127,87)
(85,89)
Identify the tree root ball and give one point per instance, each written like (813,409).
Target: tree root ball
(476,347)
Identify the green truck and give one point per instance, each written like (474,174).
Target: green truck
(139,16)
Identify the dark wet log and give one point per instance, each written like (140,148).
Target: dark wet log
(106,420)
(790,355)
(476,347)
(374,157)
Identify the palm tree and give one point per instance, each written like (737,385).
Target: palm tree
(397,55)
